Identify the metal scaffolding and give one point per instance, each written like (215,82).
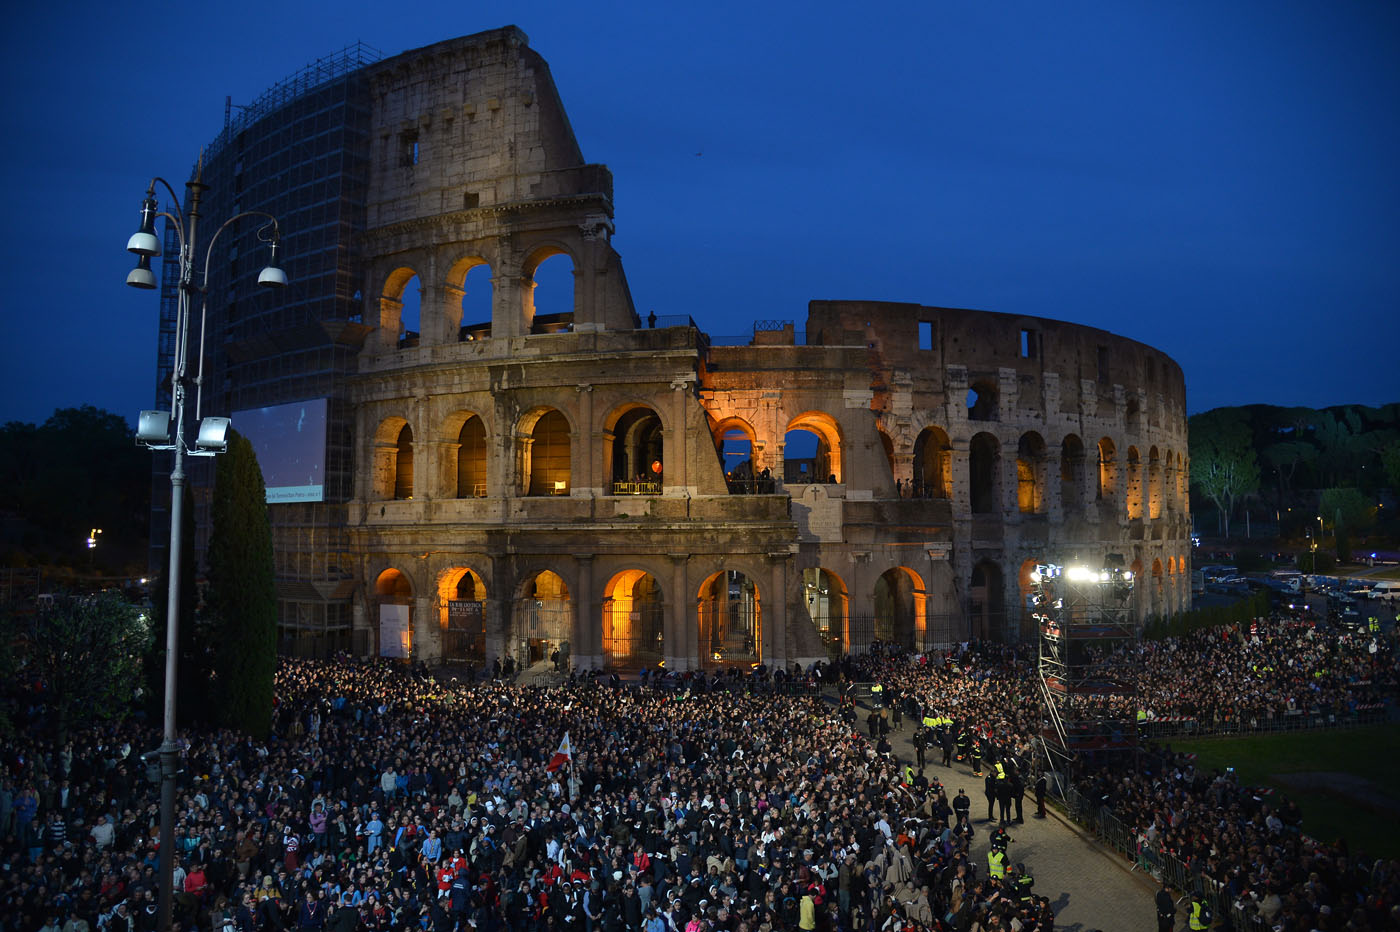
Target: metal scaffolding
(1083,614)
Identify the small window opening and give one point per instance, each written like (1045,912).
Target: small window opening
(925,334)
(1028,341)
(408,149)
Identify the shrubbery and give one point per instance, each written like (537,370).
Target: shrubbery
(1239,612)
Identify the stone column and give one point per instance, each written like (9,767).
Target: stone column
(586,641)
(676,479)
(961,492)
(776,617)
(678,625)
(427,632)
(587,451)
(941,604)
(390,323)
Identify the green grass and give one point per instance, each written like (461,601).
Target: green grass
(1372,753)
(1391,573)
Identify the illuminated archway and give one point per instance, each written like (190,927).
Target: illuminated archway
(542,620)
(465,453)
(394,596)
(545,453)
(635,453)
(548,290)
(1134,484)
(806,461)
(461,596)
(828,605)
(389,451)
(1071,473)
(731,620)
(1030,474)
(1108,471)
(899,608)
(634,621)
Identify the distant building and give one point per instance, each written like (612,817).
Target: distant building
(626,489)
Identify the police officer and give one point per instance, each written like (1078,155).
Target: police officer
(1023,883)
(1166,909)
(1003,787)
(1018,792)
(945,743)
(920,742)
(1200,917)
(989,789)
(996,864)
(1041,786)
(1000,840)
(962,807)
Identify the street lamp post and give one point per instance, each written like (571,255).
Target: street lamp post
(212,438)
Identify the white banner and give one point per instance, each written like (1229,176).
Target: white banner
(393,631)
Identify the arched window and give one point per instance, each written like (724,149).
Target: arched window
(812,450)
(824,595)
(1154,484)
(1030,474)
(472,276)
(548,456)
(984,470)
(899,607)
(462,607)
(986,602)
(1108,471)
(403,464)
(637,453)
(394,594)
(542,620)
(982,400)
(549,294)
(471,459)
(933,464)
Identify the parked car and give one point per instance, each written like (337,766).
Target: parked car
(1386,589)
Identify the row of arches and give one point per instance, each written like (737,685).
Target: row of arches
(1165,486)
(461,305)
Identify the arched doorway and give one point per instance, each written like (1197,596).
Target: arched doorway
(462,616)
(984,474)
(542,620)
(812,450)
(634,621)
(824,595)
(1071,474)
(394,595)
(986,599)
(731,624)
(546,454)
(933,464)
(899,607)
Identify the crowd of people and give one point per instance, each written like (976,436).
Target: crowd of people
(392,799)
(389,798)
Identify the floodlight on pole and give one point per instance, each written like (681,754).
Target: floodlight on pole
(154,432)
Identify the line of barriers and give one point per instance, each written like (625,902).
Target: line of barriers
(1180,875)
(1263,724)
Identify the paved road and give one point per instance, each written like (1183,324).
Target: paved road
(1089,887)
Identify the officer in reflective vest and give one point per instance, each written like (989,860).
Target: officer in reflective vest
(1024,882)
(996,864)
(877,696)
(1199,919)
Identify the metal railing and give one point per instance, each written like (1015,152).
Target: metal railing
(1263,724)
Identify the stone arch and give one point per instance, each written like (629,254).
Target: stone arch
(982,399)
(393,298)
(634,621)
(1154,483)
(552,321)
(900,604)
(634,449)
(984,474)
(386,479)
(468,302)
(462,596)
(542,619)
(1030,474)
(730,615)
(393,591)
(544,450)
(1134,497)
(986,600)
(825,464)
(1107,488)
(828,605)
(1071,473)
(465,454)
(736,445)
(933,464)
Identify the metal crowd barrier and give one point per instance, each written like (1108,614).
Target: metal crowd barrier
(1255,725)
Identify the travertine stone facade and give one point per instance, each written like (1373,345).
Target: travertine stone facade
(567,477)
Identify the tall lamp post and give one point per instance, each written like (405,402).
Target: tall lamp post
(211,438)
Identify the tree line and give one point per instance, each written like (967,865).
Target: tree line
(1291,466)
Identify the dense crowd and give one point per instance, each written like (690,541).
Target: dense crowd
(392,799)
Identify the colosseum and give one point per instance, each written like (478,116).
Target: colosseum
(629,491)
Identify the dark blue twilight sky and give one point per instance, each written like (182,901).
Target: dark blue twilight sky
(1216,179)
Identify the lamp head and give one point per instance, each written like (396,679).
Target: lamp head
(272,276)
(144,241)
(213,435)
(142,276)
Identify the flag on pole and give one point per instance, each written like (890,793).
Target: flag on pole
(564,755)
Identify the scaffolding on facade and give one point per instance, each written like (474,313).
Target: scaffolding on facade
(1083,613)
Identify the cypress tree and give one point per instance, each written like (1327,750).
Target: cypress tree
(242,597)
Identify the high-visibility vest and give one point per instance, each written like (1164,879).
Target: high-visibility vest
(1197,922)
(1001,772)
(996,863)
